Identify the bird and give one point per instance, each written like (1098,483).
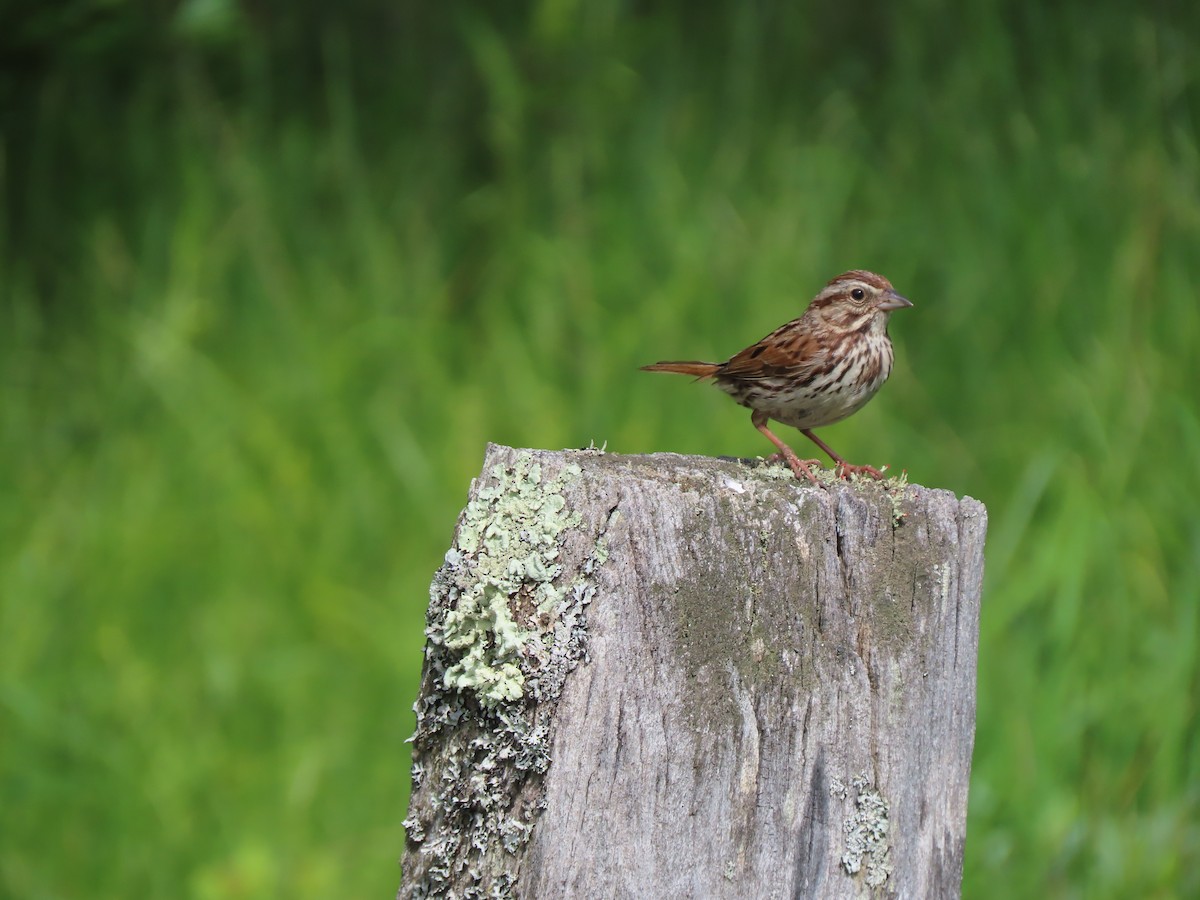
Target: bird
(815,370)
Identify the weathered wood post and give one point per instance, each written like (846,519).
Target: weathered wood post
(677,677)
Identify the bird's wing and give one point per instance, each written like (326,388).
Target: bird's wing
(789,350)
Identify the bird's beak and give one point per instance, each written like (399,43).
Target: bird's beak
(894,301)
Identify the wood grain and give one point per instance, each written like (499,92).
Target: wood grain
(764,689)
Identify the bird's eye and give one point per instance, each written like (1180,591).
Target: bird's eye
(858,293)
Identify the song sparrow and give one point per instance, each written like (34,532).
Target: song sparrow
(815,370)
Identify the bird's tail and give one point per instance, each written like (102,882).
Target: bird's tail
(686,367)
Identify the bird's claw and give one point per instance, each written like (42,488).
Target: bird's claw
(845,470)
(779,457)
(799,467)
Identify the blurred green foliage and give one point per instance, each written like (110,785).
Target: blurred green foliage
(272,274)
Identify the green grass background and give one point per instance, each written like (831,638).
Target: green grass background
(271,276)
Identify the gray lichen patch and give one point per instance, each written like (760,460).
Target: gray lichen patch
(504,629)
(868,843)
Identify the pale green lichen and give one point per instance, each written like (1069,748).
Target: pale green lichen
(485,630)
(507,547)
(504,633)
(601,551)
(896,489)
(868,845)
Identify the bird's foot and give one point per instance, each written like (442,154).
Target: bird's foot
(845,470)
(780,458)
(800,467)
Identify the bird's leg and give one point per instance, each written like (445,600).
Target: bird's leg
(843,468)
(798,466)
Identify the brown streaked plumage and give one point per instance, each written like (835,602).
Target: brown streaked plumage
(815,370)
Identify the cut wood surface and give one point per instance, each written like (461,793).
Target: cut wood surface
(682,677)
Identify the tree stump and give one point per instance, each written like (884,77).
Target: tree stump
(678,677)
